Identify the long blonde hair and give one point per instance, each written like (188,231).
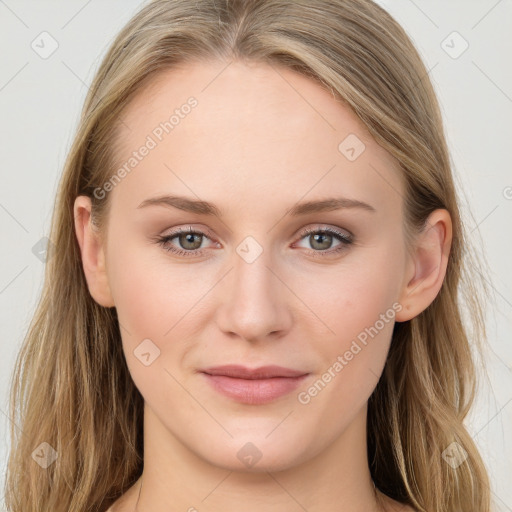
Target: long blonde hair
(71,387)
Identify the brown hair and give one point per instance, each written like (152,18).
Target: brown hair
(71,385)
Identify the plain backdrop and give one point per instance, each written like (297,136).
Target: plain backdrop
(466,46)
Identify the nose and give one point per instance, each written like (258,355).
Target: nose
(254,300)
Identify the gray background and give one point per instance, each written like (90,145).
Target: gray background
(40,99)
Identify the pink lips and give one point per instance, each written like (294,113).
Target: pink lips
(253,386)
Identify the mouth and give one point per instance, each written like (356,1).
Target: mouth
(253,386)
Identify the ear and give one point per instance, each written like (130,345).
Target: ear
(92,251)
(426,267)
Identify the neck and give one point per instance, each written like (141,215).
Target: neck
(336,478)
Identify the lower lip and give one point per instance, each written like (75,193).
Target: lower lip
(256,391)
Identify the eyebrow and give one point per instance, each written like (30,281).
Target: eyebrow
(206,208)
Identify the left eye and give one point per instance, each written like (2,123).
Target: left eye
(320,239)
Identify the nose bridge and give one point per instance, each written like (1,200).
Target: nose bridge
(251,270)
(253,304)
(252,281)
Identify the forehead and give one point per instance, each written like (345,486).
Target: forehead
(221,130)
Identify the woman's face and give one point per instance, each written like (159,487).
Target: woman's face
(257,283)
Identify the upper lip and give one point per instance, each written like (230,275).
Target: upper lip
(263,372)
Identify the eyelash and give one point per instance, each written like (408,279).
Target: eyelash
(345,240)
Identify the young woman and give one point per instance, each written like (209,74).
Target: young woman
(253,298)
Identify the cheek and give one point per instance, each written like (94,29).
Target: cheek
(353,295)
(155,306)
(151,294)
(358,305)
(155,302)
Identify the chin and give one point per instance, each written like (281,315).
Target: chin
(255,454)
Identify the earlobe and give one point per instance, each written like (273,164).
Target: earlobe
(92,253)
(426,269)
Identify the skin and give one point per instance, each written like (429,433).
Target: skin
(260,140)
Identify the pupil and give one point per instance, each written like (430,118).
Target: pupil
(319,237)
(189,239)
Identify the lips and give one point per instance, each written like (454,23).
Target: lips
(253,386)
(263,372)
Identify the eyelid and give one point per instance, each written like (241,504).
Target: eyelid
(344,233)
(187,229)
(345,237)
(298,234)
